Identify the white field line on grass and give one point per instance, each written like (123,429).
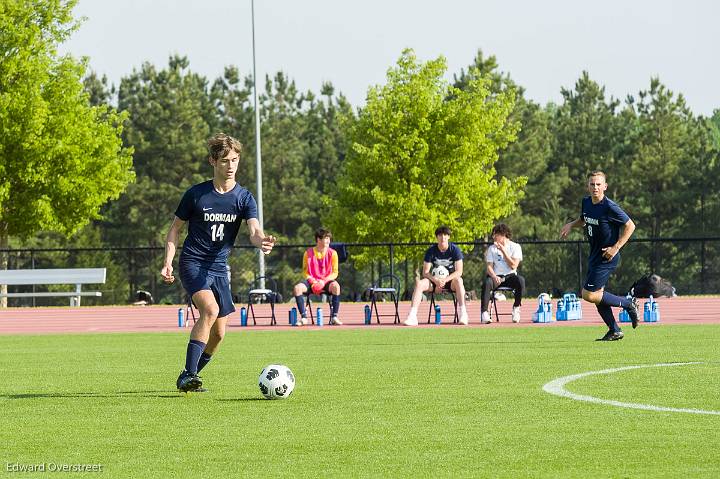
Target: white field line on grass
(557,387)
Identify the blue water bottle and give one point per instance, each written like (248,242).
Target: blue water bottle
(181,318)
(368,314)
(438,317)
(319,313)
(243,316)
(293,316)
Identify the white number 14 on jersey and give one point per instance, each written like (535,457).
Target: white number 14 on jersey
(217,232)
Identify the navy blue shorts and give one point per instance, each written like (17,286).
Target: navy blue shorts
(599,273)
(196,278)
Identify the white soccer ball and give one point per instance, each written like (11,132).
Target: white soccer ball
(276,382)
(440,272)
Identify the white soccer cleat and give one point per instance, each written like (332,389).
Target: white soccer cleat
(411,320)
(516,314)
(464,318)
(335,321)
(302,321)
(485,318)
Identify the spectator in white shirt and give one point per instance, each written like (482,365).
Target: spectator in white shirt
(503,258)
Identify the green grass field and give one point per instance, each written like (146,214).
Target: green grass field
(380,402)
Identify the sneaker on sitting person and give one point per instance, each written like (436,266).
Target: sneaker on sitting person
(516,314)
(411,320)
(485,318)
(302,321)
(335,321)
(463,317)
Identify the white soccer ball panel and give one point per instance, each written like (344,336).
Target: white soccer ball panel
(276,381)
(440,272)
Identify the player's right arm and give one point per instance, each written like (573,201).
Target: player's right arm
(491,272)
(170,247)
(578,223)
(426,272)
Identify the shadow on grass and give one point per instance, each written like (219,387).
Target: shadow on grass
(241,399)
(118,394)
(465,343)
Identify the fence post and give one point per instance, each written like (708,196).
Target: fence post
(702,266)
(392,258)
(32,266)
(406,277)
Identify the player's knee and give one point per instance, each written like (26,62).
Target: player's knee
(298,289)
(211,312)
(335,288)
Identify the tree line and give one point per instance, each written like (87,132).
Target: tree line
(421,151)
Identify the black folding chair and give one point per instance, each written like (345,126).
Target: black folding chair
(309,306)
(431,311)
(493,302)
(387,284)
(257,293)
(190,311)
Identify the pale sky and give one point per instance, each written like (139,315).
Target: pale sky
(544,45)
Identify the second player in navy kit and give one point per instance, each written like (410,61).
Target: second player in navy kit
(214,211)
(608,228)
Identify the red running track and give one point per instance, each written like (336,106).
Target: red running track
(90,319)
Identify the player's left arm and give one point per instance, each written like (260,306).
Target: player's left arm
(258,238)
(627,230)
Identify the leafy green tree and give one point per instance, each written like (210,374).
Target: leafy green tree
(665,145)
(300,154)
(587,136)
(538,214)
(422,154)
(60,157)
(98,89)
(671,161)
(170,117)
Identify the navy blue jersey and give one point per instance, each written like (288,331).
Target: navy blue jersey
(602,225)
(213,223)
(443,261)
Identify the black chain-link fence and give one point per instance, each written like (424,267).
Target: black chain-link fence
(691,264)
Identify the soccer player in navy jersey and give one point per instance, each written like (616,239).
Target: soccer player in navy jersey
(442,271)
(608,228)
(214,211)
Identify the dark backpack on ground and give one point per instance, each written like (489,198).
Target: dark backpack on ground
(652,285)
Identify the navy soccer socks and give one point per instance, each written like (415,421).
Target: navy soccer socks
(607,315)
(614,300)
(334,305)
(300,300)
(192,357)
(202,362)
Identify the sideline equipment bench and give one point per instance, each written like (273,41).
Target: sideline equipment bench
(76,276)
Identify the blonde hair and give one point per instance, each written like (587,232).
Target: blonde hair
(597,173)
(221,144)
